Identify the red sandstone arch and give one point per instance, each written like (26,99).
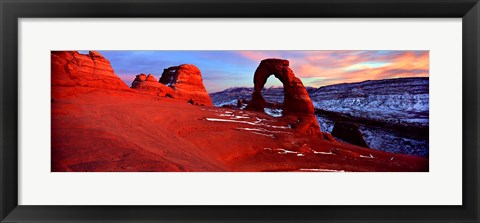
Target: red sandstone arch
(297,105)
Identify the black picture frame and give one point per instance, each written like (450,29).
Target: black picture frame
(11,11)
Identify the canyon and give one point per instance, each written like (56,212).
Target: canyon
(171,124)
(391,114)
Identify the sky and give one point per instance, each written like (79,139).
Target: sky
(225,69)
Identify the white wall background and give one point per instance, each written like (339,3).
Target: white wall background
(442,185)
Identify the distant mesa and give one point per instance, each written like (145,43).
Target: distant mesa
(297,105)
(187,82)
(150,85)
(70,68)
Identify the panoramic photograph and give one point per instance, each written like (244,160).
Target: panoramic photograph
(240,111)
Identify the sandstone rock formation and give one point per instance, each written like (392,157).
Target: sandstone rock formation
(187,82)
(349,132)
(150,85)
(297,106)
(328,137)
(70,68)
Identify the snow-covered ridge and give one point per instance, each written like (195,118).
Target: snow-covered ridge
(401,99)
(231,95)
(400,102)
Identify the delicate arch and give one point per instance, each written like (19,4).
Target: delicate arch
(297,105)
(296,99)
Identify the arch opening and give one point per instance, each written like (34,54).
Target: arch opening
(274,95)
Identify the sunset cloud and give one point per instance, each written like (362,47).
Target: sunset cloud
(321,68)
(224,69)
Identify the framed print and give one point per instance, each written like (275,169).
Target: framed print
(239,111)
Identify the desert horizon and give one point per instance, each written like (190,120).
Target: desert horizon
(240,111)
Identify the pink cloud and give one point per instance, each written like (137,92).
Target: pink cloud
(331,67)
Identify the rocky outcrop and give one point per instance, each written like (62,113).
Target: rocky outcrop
(182,82)
(349,132)
(297,106)
(70,68)
(187,82)
(149,85)
(328,137)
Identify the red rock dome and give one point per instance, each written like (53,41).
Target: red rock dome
(187,82)
(149,85)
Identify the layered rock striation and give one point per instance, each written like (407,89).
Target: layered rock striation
(70,68)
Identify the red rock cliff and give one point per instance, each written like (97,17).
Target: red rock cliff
(70,68)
